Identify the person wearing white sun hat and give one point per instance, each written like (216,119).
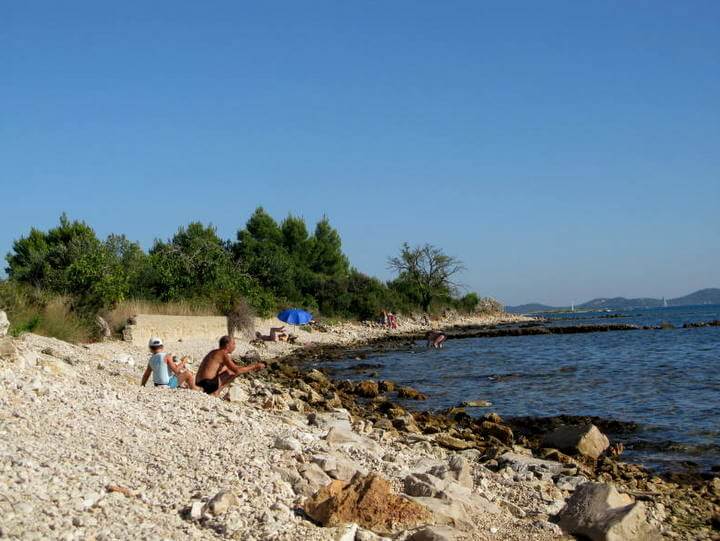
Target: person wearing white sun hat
(165,371)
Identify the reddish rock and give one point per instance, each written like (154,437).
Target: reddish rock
(367,389)
(367,501)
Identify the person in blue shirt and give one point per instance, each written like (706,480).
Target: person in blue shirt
(165,371)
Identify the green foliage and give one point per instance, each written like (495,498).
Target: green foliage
(426,272)
(43,259)
(326,251)
(68,273)
(468,303)
(197,263)
(287,261)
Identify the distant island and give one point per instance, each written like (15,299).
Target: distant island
(702,296)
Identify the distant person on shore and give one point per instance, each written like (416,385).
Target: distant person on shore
(435,339)
(165,371)
(392,320)
(218,369)
(277,334)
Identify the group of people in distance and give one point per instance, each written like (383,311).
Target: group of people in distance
(216,370)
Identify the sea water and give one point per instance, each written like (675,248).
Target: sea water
(667,381)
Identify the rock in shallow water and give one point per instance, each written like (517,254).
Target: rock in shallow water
(586,440)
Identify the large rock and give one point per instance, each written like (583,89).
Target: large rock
(586,440)
(287,443)
(367,501)
(426,485)
(406,423)
(337,466)
(339,418)
(367,389)
(343,437)
(450,442)
(501,432)
(409,393)
(598,512)
(314,475)
(4,324)
(457,470)
(456,512)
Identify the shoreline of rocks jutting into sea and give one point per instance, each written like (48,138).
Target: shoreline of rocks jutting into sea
(87,453)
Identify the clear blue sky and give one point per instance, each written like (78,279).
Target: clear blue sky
(563,150)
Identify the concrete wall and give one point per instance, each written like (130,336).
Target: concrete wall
(174,328)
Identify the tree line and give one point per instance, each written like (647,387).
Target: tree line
(269,265)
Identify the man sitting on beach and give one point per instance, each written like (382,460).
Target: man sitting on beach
(435,338)
(218,369)
(165,371)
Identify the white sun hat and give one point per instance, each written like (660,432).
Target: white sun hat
(155,342)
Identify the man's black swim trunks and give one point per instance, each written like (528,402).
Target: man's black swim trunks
(209,385)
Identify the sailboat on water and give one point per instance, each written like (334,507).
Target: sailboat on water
(664,303)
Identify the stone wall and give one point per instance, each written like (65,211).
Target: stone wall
(174,328)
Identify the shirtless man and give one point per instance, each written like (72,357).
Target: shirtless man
(217,369)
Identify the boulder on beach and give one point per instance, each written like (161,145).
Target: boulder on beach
(585,440)
(599,512)
(367,501)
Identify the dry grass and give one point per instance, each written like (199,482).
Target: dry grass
(31,310)
(118,317)
(241,318)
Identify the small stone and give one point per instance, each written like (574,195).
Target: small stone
(196,510)
(287,443)
(221,502)
(477,404)
(434,533)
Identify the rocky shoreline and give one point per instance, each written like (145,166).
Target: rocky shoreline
(85,453)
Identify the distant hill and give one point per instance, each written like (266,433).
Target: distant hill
(703,296)
(528,308)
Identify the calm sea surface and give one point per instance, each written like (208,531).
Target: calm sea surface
(668,381)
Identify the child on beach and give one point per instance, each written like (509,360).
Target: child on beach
(165,371)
